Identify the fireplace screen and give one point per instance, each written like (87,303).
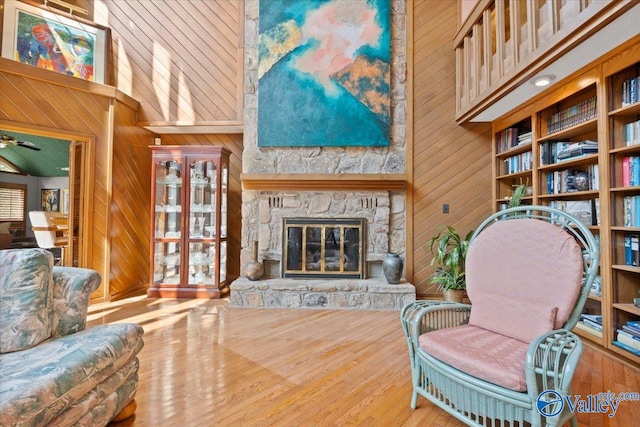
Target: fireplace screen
(319,247)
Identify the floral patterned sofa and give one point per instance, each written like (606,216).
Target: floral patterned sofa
(53,371)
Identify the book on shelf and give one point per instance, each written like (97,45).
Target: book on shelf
(518,163)
(583,210)
(628,339)
(568,181)
(575,149)
(512,137)
(594,177)
(592,317)
(626,347)
(595,211)
(631,330)
(632,133)
(584,327)
(574,115)
(525,138)
(630,91)
(592,320)
(632,249)
(631,211)
(558,151)
(630,171)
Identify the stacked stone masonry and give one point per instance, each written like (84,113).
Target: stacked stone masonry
(372,294)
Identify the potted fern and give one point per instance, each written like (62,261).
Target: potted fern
(449,251)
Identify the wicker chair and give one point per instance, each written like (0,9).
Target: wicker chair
(509,357)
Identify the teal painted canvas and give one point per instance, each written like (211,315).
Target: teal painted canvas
(324,70)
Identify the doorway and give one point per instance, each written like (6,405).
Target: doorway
(54,164)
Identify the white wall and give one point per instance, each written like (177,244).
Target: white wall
(34,185)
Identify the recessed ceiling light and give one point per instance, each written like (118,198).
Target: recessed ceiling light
(544,80)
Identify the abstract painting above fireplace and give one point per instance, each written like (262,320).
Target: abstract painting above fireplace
(325,73)
(323,247)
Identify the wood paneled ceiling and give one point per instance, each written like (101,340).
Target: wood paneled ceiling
(51,160)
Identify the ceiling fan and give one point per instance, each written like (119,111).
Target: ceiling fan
(6,140)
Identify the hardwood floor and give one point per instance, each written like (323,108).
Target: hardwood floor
(205,363)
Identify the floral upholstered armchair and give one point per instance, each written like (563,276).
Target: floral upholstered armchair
(509,357)
(53,371)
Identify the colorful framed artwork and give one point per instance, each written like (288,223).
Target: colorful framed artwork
(50,200)
(49,40)
(324,73)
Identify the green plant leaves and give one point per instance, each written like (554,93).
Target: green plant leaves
(449,251)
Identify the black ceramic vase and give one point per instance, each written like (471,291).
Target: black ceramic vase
(392,268)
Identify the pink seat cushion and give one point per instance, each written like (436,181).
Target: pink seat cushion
(528,261)
(481,353)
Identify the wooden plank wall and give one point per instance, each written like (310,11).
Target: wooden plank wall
(130,206)
(182,60)
(57,105)
(452,163)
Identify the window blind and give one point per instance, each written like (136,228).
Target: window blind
(12,202)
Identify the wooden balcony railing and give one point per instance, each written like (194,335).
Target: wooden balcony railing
(504,42)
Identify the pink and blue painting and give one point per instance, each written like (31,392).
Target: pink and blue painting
(324,70)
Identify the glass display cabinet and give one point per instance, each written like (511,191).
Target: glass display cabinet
(189,221)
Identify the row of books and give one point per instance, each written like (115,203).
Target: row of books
(556,151)
(630,171)
(632,133)
(591,323)
(631,213)
(512,137)
(630,91)
(585,211)
(572,116)
(572,180)
(519,163)
(628,337)
(632,249)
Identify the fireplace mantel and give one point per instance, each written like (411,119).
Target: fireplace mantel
(305,182)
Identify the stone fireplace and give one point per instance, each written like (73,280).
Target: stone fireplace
(363,183)
(379,217)
(370,212)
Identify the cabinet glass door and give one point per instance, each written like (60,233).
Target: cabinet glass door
(202,196)
(223,200)
(202,263)
(168,220)
(166,263)
(202,222)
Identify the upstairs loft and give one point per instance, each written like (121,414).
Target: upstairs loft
(504,45)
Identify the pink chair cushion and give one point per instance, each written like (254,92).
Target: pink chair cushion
(481,353)
(526,260)
(518,319)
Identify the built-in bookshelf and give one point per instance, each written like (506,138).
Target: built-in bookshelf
(580,152)
(623,111)
(513,160)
